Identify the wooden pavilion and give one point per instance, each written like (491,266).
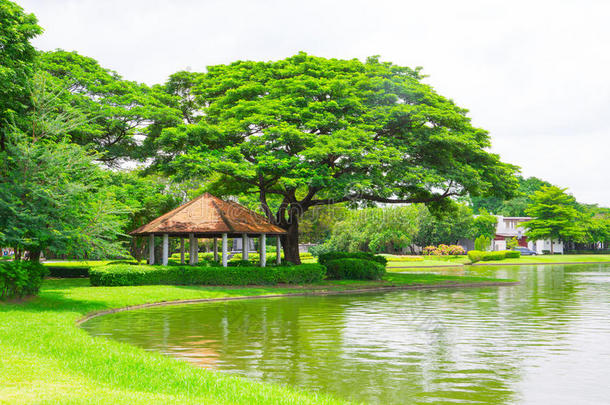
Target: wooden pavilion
(209,217)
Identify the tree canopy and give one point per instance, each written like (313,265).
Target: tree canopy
(307,131)
(16,64)
(555,216)
(120,113)
(512,207)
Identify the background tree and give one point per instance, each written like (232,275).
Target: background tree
(52,194)
(387,229)
(148,197)
(318,223)
(119,111)
(446,227)
(556,216)
(16,64)
(513,207)
(485,224)
(309,131)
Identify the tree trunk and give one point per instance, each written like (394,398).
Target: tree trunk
(552,252)
(34,255)
(290,243)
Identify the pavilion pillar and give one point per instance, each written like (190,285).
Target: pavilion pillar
(224,250)
(182,250)
(151,249)
(244,246)
(263,245)
(191,248)
(164,259)
(278,250)
(196,254)
(215,249)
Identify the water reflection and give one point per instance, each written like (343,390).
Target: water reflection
(544,340)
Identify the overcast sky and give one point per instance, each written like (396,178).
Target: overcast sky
(536,74)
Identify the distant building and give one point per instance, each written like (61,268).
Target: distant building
(510,227)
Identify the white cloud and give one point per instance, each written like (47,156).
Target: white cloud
(533,73)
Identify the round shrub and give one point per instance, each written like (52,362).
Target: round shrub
(354,269)
(68,271)
(21,278)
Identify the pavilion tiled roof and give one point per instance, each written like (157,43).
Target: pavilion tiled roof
(209,216)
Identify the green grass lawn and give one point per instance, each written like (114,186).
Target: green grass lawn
(47,358)
(396,266)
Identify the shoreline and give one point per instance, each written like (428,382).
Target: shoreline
(493,264)
(296,294)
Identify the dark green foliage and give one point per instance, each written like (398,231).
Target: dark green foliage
(354,269)
(20,278)
(16,64)
(122,275)
(324,258)
(513,254)
(68,271)
(239,263)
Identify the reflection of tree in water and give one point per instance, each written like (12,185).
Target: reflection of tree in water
(428,346)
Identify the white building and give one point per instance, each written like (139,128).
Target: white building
(510,227)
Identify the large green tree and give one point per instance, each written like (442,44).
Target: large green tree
(555,216)
(52,193)
(120,113)
(308,131)
(16,65)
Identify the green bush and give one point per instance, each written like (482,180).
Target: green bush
(478,255)
(354,269)
(122,275)
(324,258)
(239,263)
(68,271)
(513,254)
(21,278)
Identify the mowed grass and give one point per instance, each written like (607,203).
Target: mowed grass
(47,358)
(550,259)
(397,266)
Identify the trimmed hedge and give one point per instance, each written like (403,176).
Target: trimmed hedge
(513,254)
(21,278)
(68,271)
(354,269)
(478,255)
(124,275)
(324,258)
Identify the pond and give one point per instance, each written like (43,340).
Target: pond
(544,341)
